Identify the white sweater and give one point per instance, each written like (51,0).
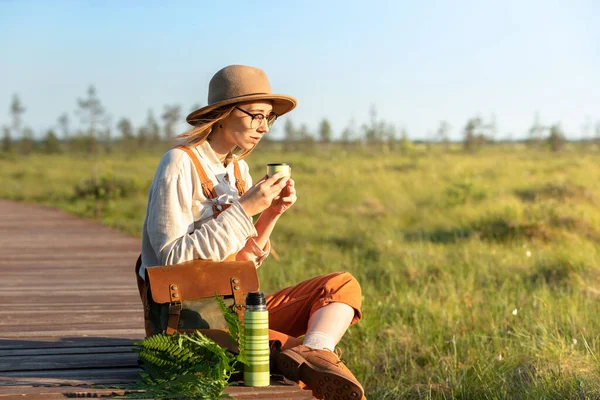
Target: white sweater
(179,224)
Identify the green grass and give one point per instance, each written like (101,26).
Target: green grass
(480,272)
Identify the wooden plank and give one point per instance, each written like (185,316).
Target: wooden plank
(98,291)
(67,361)
(74,377)
(76,316)
(40,283)
(18,383)
(60,392)
(63,342)
(57,396)
(16,310)
(277,391)
(60,307)
(134,333)
(84,328)
(69,275)
(95,257)
(64,351)
(85,255)
(82,324)
(73,317)
(131,298)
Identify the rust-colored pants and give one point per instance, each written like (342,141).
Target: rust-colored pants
(291,308)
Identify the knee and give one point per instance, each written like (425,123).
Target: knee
(344,286)
(349,280)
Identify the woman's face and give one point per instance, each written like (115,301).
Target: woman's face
(238,126)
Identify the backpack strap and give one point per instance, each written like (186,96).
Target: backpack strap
(208,188)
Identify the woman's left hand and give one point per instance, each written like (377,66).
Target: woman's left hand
(285,199)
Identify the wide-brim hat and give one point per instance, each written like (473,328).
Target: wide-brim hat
(240,83)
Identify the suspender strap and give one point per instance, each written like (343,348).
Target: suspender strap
(208,188)
(240,184)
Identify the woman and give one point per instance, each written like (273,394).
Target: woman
(185,222)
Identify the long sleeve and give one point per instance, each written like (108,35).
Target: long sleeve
(254,253)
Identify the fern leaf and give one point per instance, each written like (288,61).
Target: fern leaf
(188,366)
(236,329)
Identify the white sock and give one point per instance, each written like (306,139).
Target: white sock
(319,341)
(332,320)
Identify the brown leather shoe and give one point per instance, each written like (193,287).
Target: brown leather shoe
(322,371)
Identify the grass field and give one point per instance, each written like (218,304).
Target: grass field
(480,272)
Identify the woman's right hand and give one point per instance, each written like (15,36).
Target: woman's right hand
(261,195)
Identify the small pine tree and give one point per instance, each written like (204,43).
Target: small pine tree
(152,128)
(405,144)
(91,112)
(142,137)
(305,137)
(470,138)
(474,137)
(171,117)
(443,134)
(126,129)
(556,140)
(348,135)
(26,144)
(16,110)
(325,131)
(536,131)
(107,139)
(290,138)
(7,145)
(63,123)
(374,131)
(51,143)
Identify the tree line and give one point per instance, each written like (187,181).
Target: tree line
(96,132)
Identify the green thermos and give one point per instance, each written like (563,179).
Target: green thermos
(256,327)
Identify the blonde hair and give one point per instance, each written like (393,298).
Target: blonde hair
(203,129)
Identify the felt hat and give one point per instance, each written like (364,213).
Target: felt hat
(240,83)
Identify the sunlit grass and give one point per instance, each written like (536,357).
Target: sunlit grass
(480,273)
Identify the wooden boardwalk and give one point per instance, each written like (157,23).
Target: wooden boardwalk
(70,309)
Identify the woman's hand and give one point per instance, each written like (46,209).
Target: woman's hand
(285,199)
(260,196)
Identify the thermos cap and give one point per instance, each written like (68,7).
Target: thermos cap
(255,299)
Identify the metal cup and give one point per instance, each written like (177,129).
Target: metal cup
(272,169)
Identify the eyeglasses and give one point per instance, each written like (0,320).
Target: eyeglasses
(257,119)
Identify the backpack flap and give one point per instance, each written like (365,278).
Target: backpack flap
(200,279)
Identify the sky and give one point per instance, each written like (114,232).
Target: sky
(415,63)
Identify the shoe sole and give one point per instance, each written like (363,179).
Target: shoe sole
(324,384)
